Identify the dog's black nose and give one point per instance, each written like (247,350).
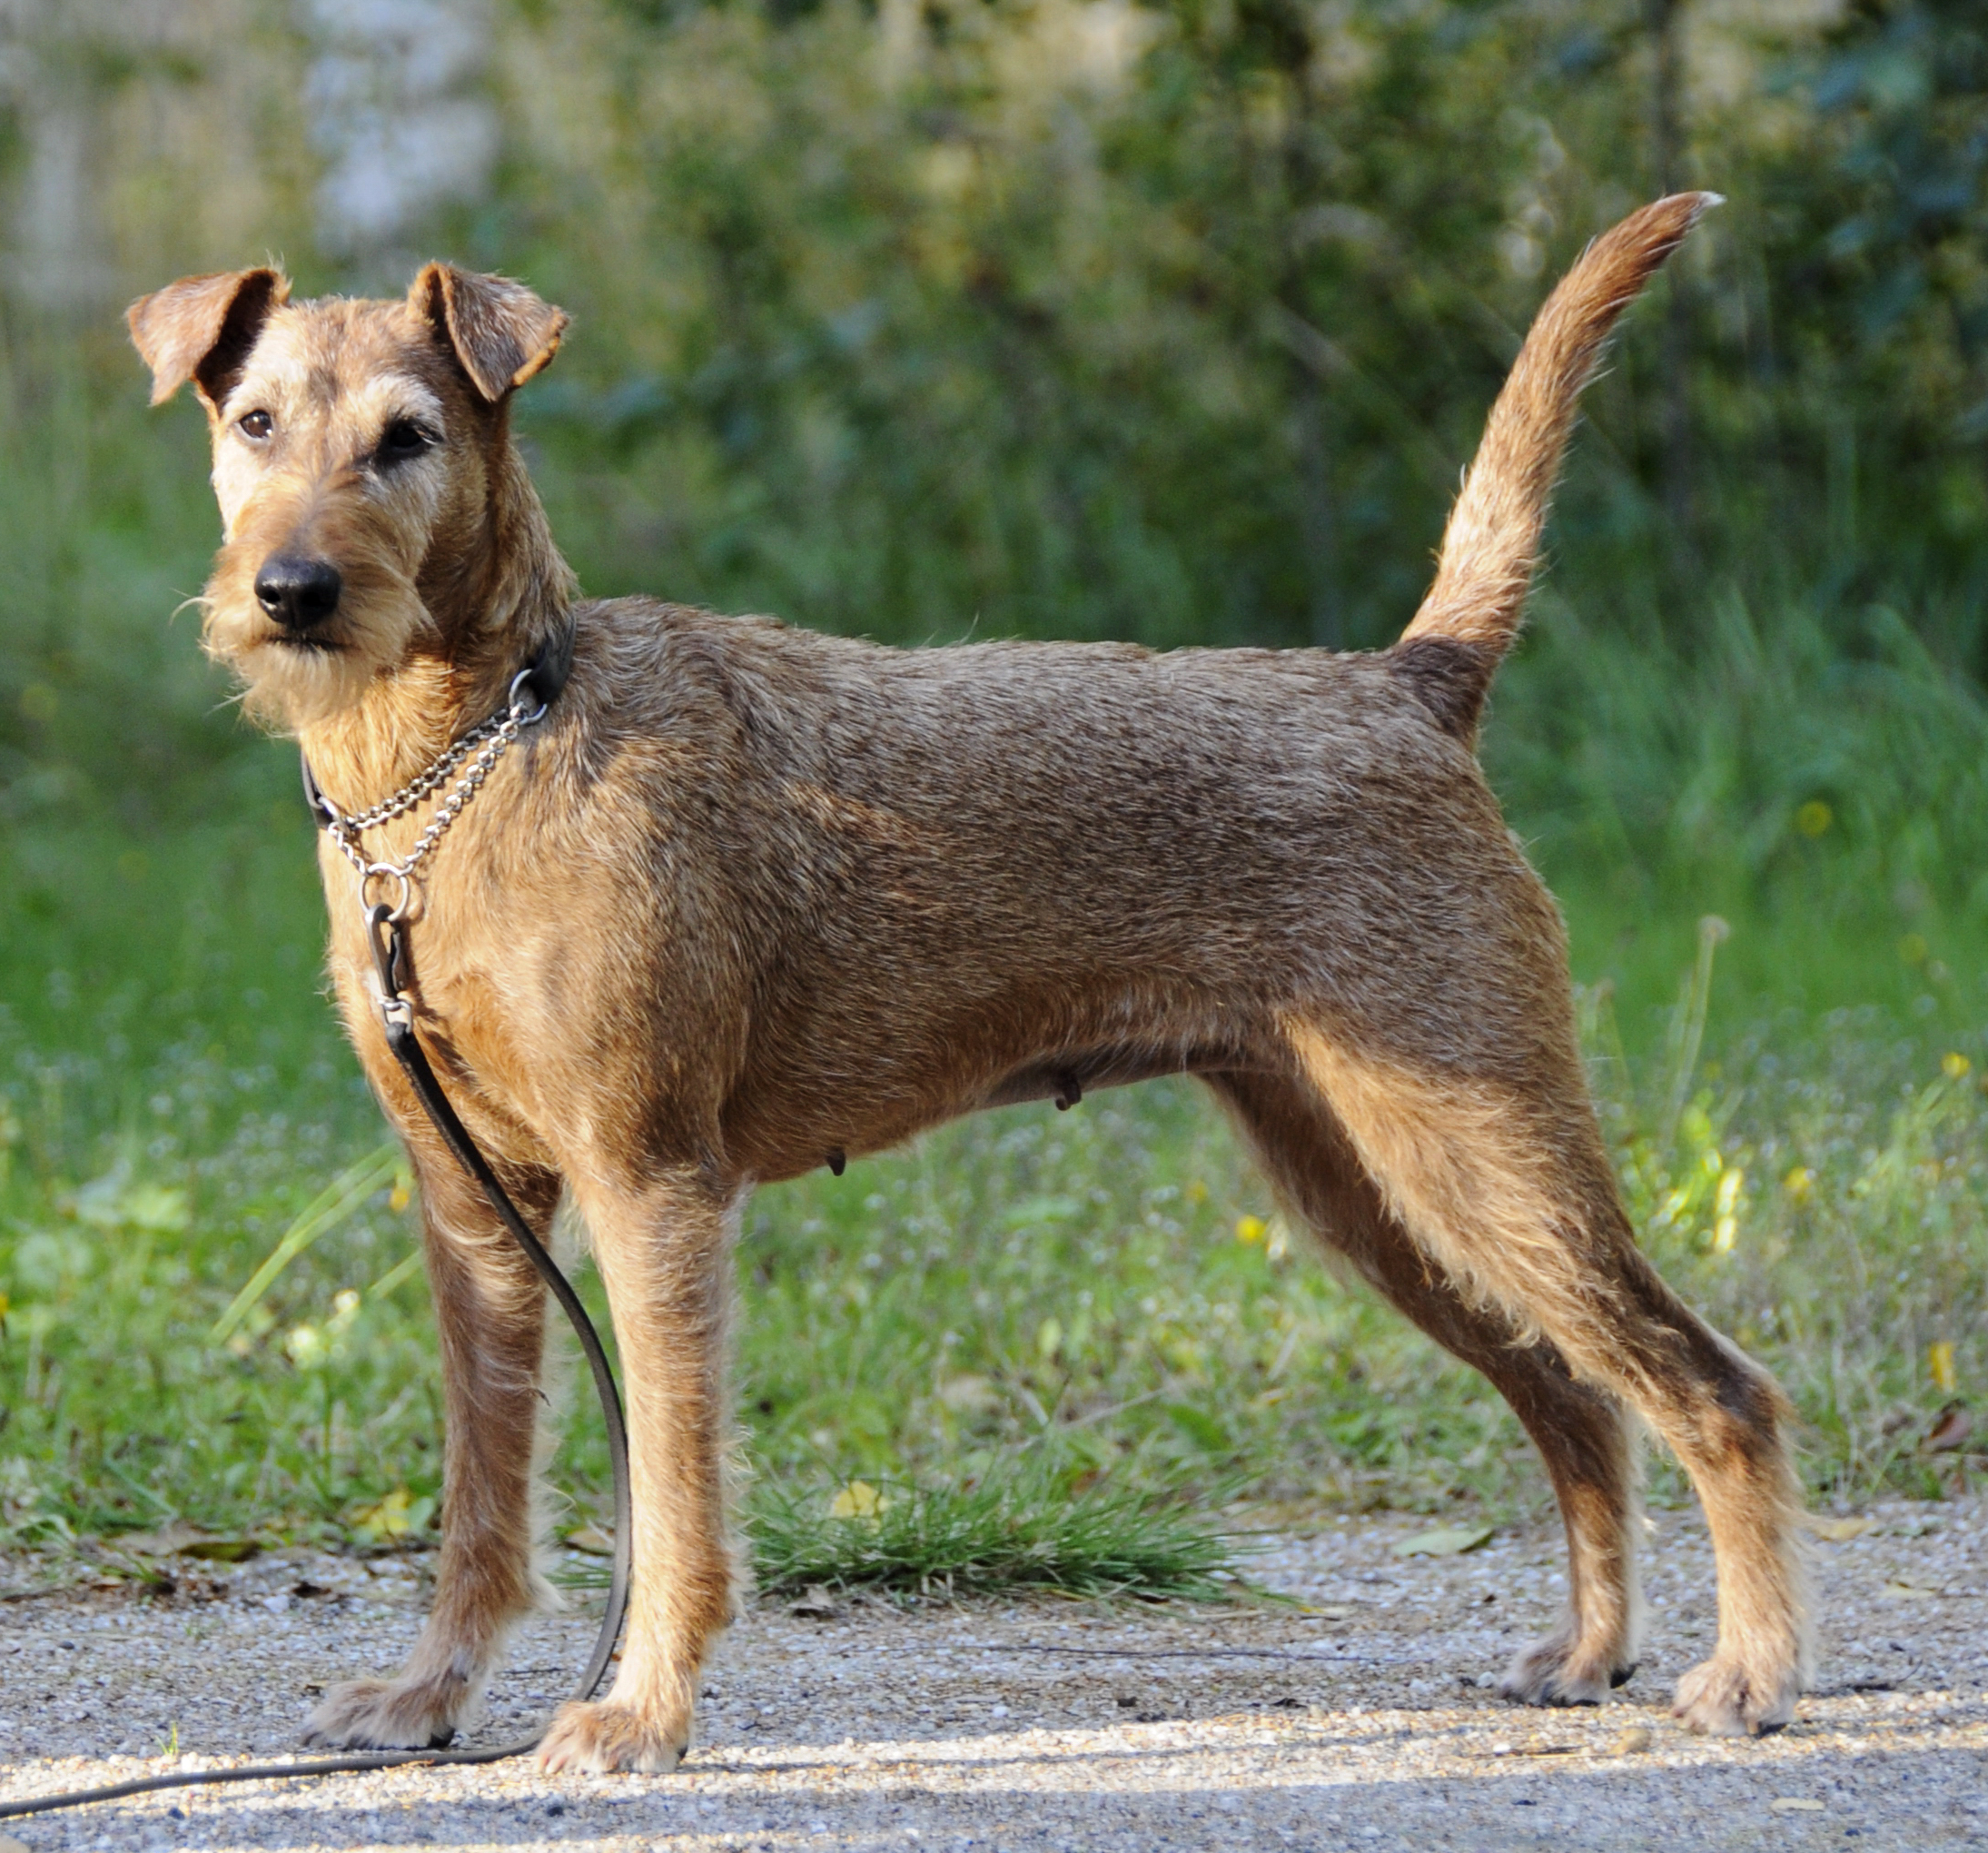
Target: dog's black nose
(297,593)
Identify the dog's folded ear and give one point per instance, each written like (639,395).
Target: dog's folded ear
(202,329)
(500,332)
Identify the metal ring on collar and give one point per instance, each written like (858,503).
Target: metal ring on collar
(379,871)
(520,680)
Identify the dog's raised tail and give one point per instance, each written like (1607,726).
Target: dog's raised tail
(1472,614)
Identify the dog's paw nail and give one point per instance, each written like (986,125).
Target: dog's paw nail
(386,1715)
(1555,1673)
(1719,1699)
(600,1738)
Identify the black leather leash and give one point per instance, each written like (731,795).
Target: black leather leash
(386,935)
(388,938)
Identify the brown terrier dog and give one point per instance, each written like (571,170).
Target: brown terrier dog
(749,898)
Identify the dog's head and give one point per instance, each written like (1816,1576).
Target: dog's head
(359,449)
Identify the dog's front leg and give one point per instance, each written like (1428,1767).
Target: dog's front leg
(490,1314)
(664,1253)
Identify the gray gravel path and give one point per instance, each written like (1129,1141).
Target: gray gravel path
(1362,1720)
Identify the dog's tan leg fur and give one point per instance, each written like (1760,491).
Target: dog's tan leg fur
(489,1313)
(1504,1183)
(666,1255)
(1578,1427)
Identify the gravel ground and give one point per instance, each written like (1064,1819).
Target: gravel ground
(1362,1719)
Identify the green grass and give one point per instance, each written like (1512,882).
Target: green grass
(811,373)
(1104,1299)
(1017,1531)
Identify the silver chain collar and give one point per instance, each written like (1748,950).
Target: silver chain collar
(493,737)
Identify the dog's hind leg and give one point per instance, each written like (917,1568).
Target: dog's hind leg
(1578,1428)
(664,1249)
(1492,1162)
(490,1312)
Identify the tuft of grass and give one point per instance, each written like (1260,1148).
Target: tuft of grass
(1022,1529)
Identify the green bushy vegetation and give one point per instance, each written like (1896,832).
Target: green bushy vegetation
(1095,321)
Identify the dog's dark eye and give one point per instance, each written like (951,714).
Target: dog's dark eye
(255,425)
(401,440)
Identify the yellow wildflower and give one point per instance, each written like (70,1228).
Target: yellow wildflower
(858,1500)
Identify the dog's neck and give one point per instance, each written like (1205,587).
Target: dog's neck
(495,605)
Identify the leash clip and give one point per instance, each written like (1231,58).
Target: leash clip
(388,943)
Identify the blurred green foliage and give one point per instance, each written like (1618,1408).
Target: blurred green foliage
(1080,318)
(1093,318)
(1179,324)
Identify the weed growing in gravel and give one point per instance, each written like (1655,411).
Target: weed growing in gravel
(1029,1529)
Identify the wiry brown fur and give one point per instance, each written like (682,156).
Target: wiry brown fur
(749,897)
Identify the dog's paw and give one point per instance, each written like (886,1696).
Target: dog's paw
(1723,1698)
(388,1715)
(1555,1671)
(599,1737)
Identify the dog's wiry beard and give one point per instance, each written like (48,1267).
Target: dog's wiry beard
(289,684)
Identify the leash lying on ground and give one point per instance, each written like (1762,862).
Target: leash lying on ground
(386,933)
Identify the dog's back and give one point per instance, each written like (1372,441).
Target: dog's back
(940,863)
(987,871)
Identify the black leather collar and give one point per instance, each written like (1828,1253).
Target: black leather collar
(543,679)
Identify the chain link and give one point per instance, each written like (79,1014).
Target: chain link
(494,737)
